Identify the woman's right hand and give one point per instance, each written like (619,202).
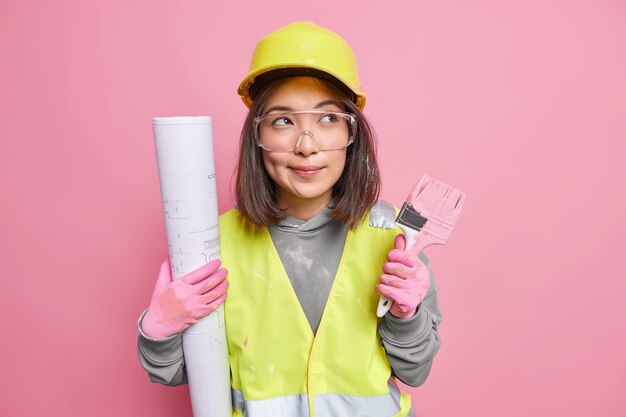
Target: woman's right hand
(178,304)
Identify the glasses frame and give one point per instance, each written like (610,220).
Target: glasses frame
(350,117)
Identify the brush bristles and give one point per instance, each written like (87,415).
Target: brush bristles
(440,203)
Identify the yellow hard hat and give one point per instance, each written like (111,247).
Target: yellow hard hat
(303,48)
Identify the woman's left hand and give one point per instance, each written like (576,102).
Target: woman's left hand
(405,280)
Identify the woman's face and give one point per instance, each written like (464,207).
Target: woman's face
(305,176)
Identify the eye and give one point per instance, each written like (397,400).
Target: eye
(281,121)
(329,118)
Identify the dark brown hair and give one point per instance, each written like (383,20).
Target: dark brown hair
(355,192)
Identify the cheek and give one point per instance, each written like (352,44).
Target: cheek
(271,164)
(340,163)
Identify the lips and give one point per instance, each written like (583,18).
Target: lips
(306,170)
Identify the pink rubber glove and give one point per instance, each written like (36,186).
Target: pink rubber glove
(178,304)
(405,280)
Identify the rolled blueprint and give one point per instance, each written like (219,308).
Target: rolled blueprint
(184,149)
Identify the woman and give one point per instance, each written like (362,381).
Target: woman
(308,249)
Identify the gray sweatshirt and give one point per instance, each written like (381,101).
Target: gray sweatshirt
(310,252)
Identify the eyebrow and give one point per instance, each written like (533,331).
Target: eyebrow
(319,105)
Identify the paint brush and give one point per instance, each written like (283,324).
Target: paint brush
(426,218)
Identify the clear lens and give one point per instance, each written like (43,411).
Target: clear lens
(282,131)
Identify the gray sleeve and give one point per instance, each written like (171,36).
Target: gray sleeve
(411,344)
(162,359)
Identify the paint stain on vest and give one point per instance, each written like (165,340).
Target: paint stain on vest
(364,307)
(281,381)
(260,277)
(245,342)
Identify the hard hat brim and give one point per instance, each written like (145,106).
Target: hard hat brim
(255,80)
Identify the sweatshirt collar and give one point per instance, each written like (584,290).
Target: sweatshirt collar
(318,221)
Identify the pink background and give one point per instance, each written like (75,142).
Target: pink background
(520,104)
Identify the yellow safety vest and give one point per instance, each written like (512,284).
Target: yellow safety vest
(278,367)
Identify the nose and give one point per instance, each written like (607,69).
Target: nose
(306,145)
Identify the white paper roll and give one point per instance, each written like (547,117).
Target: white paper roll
(184,149)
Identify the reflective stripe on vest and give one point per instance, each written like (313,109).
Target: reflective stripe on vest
(326,405)
(287,406)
